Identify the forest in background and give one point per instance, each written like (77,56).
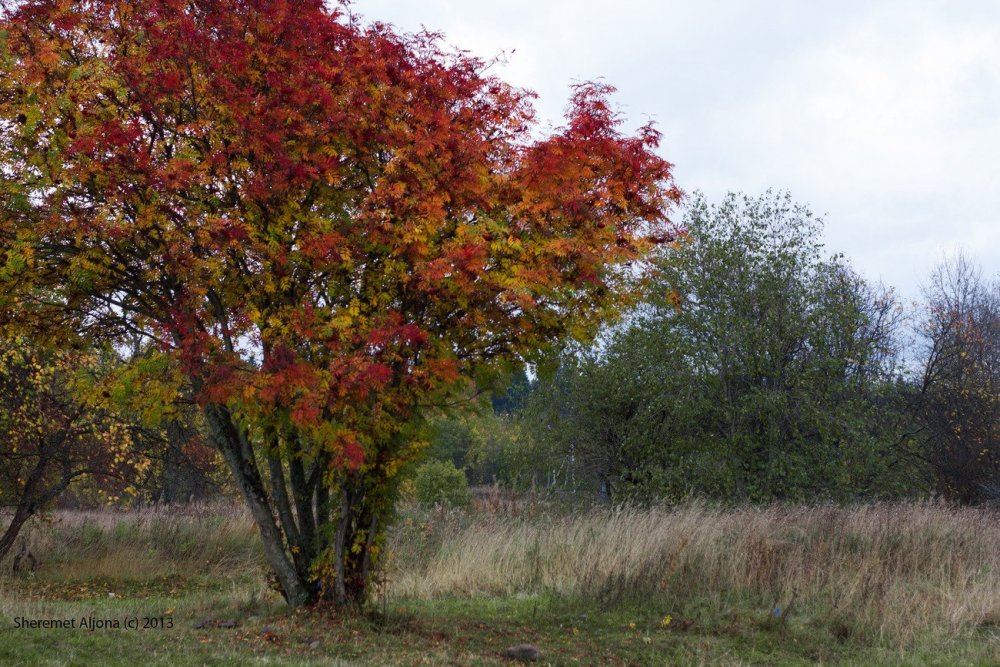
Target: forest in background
(759,367)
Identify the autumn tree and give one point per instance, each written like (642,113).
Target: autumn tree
(327,224)
(151,395)
(53,436)
(957,406)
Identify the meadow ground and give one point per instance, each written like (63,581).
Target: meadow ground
(903,584)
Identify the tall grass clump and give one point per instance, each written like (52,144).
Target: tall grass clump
(154,541)
(885,571)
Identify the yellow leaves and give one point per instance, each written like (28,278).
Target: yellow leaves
(148,386)
(19,259)
(410,452)
(55,397)
(347,318)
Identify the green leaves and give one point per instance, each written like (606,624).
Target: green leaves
(755,371)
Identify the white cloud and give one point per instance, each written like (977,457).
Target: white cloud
(883,116)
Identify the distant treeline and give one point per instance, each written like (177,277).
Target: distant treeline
(758,368)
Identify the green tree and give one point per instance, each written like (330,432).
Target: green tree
(758,369)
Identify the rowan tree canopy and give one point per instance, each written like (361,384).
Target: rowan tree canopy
(325,223)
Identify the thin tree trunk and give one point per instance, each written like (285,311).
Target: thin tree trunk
(366,555)
(357,526)
(343,521)
(280,493)
(28,503)
(21,516)
(302,494)
(321,503)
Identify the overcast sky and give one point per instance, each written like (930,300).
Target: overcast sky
(883,116)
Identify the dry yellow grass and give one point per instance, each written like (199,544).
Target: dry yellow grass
(155,541)
(889,571)
(886,572)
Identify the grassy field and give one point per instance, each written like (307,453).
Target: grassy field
(907,584)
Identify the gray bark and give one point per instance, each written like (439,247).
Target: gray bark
(239,457)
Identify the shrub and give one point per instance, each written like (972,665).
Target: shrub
(440,482)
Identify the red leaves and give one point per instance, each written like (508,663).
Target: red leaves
(229,232)
(411,334)
(471,257)
(394,332)
(350,455)
(375,376)
(323,246)
(67,21)
(171,82)
(306,412)
(286,385)
(354,455)
(83,145)
(590,114)
(366,208)
(221,384)
(277,358)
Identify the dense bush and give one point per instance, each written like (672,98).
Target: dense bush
(440,482)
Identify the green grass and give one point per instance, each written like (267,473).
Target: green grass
(702,592)
(453,632)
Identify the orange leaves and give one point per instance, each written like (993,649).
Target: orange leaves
(446,370)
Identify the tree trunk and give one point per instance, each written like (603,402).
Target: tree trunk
(239,457)
(292,520)
(21,515)
(360,517)
(32,498)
